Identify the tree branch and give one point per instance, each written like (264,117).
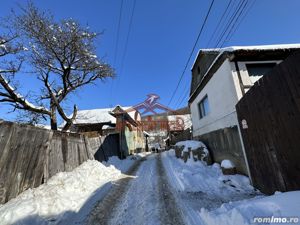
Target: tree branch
(19,100)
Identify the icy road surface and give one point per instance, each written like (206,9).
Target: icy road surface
(143,197)
(162,189)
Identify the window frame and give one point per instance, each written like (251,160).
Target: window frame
(202,111)
(249,64)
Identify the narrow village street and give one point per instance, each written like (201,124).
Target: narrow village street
(141,197)
(149,112)
(160,189)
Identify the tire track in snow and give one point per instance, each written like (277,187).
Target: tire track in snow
(140,205)
(145,199)
(102,212)
(170,213)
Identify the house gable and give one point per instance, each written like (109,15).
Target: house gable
(209,60)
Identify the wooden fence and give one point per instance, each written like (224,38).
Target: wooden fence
(31,155)
(105,146)
(269,118)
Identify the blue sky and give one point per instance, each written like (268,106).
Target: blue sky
(162,35)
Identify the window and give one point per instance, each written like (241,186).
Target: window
(257,70)
(203,107)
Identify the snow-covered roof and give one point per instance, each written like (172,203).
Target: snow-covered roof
(94,116)
(98,116)
(254,47)
(247,48)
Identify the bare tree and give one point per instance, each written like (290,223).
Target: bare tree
(64,60)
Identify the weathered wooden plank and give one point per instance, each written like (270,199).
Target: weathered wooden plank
(30,155)
(47,146)
(56,163)
(272,111)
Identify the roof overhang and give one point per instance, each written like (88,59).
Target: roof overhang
(250,53)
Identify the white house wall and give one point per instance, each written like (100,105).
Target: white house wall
(222,97)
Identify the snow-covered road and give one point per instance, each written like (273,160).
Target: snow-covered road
(143,197)
(157,189)
(197,186)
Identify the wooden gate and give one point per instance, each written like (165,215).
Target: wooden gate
(269,118)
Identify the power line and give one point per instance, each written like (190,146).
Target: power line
(182,94)
(221,20)
(234,19)
(118,33)
(127,37)
(245,15)
(234,23)
(229,23)
(116,49)
(226,19)
(186,94)
(190,56)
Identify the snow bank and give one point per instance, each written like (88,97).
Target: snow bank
(207,196)
(64,193)
(122,165)
(243,212)
(227,164)
(190,144)
(125,164)
(198,177)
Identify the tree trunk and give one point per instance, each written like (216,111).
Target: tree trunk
(53,116)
